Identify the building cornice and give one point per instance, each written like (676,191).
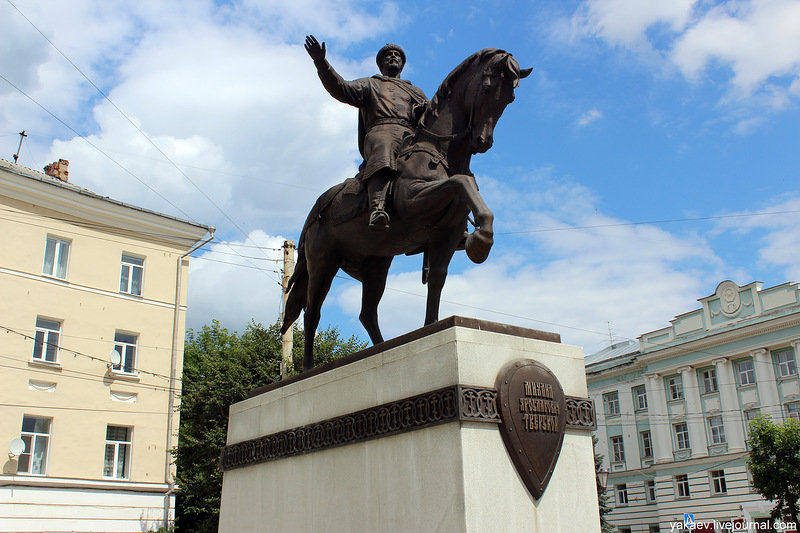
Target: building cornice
(39,190)
(77,483)
(718,339)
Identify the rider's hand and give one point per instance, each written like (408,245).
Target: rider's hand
(314,49)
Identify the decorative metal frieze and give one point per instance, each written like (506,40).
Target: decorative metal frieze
(459,402)
(580,413)
(417,412)
(478,404)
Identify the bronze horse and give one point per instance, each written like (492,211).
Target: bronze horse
(432,196)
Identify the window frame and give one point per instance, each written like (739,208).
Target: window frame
(43,336)
(618,452)
(682,489)
(717,483)
(118,446)
(682,436)
(621,494)
(650,494)
(747,419)
(640,394)
(716,431)
(57,259)
(790,365)
(612,399)
(709,376)
(794,410)
(129,265)
(128,352)
(751,372)
(675,387)
(646,438)
(35,437)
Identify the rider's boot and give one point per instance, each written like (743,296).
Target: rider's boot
(376,189)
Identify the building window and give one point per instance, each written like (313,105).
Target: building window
(710,381)
(130,279)
(653,528)
(786,363)
(641,398)
(45,340)
(612,403)
(624,530)
(675,388)
(56,258)
(749,416)
(36,436)
(618,448)
(647,444)
(746,371)
(793,410)
(716,429)
(118,452)
(718,485)
(125,345)
(682,485)
(622,494)
(682,436)
(650,491)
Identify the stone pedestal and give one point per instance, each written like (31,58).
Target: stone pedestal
(404,437)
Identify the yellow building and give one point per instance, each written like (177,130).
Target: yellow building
(92,309)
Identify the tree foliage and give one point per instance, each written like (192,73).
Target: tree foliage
(602,496)
(775,464)
(221,368)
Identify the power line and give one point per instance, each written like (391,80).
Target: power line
(651,222)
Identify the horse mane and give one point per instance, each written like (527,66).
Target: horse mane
(493,56)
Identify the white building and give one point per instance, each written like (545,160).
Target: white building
(92,308)
(673,408)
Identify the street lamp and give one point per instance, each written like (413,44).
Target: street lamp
(602,477)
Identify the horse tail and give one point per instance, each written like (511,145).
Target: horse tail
(297,288)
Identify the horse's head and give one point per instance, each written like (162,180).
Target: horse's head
(489,90)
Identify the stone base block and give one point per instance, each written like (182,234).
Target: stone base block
(399,439)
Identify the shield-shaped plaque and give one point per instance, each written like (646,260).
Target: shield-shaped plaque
(533,411)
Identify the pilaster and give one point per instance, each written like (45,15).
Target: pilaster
(659,419)
(695,420)
(729,405)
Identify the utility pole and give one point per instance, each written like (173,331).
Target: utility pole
(21,138)
(288,270)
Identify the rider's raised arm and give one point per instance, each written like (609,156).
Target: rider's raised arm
(348,92)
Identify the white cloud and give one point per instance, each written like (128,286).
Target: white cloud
(588,117)
(624,22)
(756,39)
(774,236)
(236,281)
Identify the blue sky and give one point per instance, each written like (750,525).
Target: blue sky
(653,153)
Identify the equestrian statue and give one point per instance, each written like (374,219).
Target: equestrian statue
(414,191)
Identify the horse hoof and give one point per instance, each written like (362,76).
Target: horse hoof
(478,246)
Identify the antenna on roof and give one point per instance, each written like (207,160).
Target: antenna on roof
(21,138)
(610,336)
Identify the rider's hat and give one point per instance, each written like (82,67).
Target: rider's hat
(388,47)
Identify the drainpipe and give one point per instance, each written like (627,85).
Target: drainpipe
(173,369)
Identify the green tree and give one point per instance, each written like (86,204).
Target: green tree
(602,496)
(221,368)
(775,464)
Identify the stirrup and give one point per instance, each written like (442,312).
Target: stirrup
(379,220)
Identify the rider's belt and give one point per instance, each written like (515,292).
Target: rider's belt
(398,121)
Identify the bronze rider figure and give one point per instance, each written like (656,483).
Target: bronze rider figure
(389,108)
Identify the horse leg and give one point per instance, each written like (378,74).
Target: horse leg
(439,255)
(319,283)
(479,243)
(372,286)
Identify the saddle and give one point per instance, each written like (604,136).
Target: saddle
(349,201)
